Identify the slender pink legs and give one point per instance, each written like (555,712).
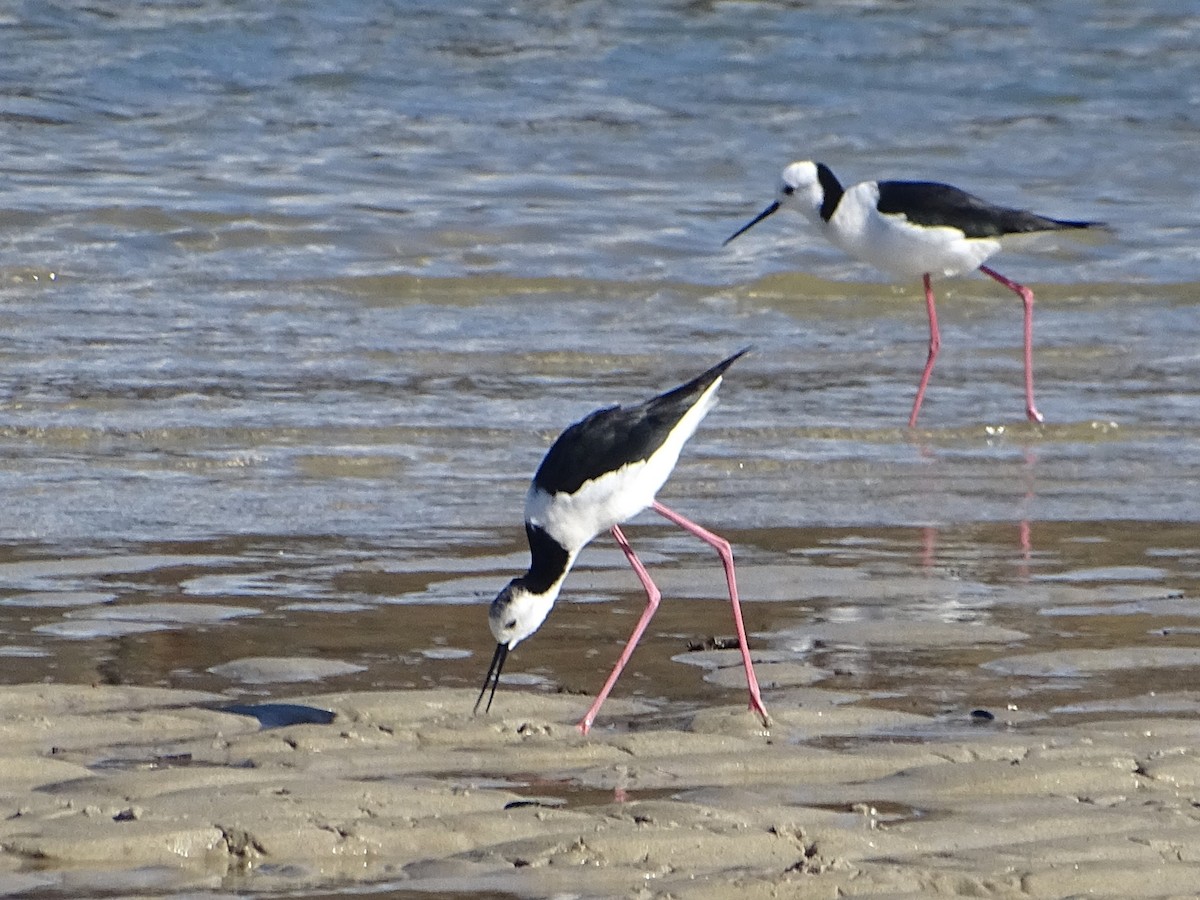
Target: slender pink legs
(1026,295)
(935,343)
(723,549)
(653,595)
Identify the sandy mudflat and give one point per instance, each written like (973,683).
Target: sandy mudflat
(124,789)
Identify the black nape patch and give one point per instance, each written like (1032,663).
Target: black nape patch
(547,560)
(832,191)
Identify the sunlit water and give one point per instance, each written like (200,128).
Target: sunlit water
(294,296)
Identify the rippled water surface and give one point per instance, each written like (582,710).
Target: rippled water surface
(294,296)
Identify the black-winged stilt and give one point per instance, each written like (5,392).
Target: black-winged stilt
(599,473)
(914,229)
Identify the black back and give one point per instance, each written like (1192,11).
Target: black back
(933,203)
(611,438)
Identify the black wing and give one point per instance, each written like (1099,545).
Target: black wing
(611,438)
(932,203)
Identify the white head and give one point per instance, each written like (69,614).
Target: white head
(806,187)
(515,614)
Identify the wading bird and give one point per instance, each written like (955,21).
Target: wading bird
(599,473)
(913,229)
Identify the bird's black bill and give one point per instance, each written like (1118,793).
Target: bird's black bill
(774,207)
(493,677)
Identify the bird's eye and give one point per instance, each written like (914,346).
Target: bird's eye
(789,190)
(511,623)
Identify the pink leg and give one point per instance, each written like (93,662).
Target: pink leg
(935,344)
(1025,538)
(652,597)
(723,549)
(929,539)
(1026,295)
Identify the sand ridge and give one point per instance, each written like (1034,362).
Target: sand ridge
(152,787)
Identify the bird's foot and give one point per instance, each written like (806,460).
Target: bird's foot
(756,705)
(1031,413)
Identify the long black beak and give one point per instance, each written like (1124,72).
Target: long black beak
(493,677)
(774,207)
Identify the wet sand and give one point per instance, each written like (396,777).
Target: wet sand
(143,789)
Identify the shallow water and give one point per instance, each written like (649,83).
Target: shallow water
(295,297)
